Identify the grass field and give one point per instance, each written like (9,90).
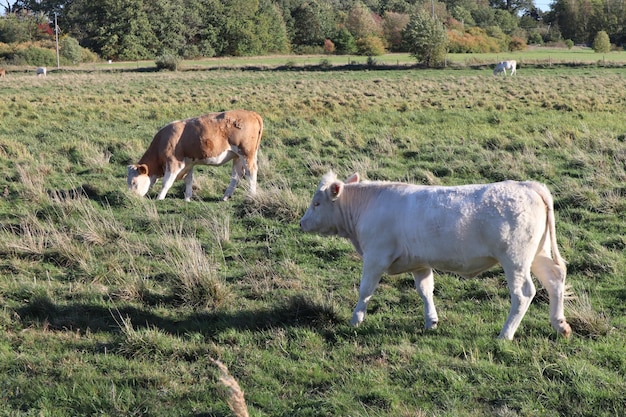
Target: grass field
(532,57)
(116,306)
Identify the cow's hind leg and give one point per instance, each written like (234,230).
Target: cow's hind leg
(189,185)
(552,276)
(236,174)
(372,272)
(522,291)
(252,170)
(425,285)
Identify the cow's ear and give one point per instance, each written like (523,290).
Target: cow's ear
(353,178)
(143,169)
(335,190)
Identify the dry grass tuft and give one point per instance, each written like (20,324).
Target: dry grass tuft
(198,281)
(585,320)
(231,392)
(276,201)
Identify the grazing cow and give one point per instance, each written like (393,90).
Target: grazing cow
(41,72)
(211,139)
(3,73)
(397,228)
(505,65)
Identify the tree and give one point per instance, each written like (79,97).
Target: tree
(313,22)
(361,22)
(393,25)
(602,43)
(426,39)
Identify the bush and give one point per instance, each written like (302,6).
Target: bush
(517,44)
(475,40)
(535,38)
(345,43)
(602,43)
(308,50)
(34,55)
(370,45)
(329,46)
(167,62)
(569,43)
(70,49)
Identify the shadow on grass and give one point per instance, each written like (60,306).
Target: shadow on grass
(297,311)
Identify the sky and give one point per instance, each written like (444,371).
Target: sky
(543,5)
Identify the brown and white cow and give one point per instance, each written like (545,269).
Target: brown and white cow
(398,227)
(211,139)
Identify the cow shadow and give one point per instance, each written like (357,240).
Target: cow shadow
(297,311)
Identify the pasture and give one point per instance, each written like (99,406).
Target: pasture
(114,305)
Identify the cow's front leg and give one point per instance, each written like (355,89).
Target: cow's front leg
(236,174)
(425,285)
(171,173)
(522,291)
(372,272)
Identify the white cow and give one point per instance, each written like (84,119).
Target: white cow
(41,72)
(397,228)
(505,65)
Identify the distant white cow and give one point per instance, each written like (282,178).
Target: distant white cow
(41,72)
(505,65)
(397,228)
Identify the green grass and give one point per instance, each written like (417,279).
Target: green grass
(114,305)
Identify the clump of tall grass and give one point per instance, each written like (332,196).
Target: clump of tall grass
(197,279)
(276,201)
(585,320)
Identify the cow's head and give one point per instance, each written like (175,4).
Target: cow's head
(138,179)
(321,215)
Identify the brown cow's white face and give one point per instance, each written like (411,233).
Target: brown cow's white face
(138,179)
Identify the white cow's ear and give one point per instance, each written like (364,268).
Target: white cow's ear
(353,178)
(336,188)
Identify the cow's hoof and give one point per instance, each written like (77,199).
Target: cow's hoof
(431,326)
(566,330)
(357,318)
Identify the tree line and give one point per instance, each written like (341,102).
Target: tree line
(145,29)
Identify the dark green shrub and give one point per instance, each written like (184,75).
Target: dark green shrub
(34,56)
(167,62)
(70,49)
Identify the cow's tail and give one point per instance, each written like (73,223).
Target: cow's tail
(258,139)
(543,191)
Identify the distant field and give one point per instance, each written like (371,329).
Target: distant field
(113,305)
(535,55)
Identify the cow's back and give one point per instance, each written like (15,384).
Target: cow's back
(445,225)
(211,134)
